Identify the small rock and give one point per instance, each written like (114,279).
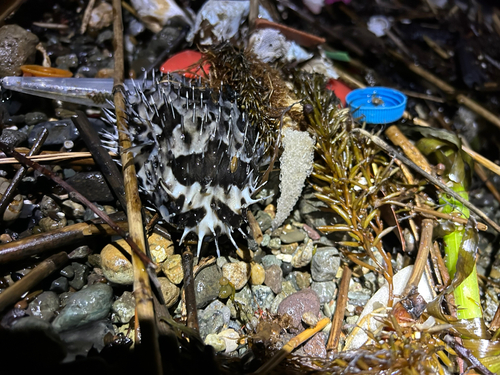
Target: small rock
(285,257)
(59,285)
(294,235)
(33,118)
(92,186)
(289,248)
(124,307)
(310,319)
(160,248)
(264,296)
(298,303)
(72,209)
(264,219)
(237,273)
(247,305)
(101,16)
(59,132)
(81,252)
(303,255)
(12,137)
(170,291)
(359,298)
(85,306)
(44,306)
(275,243)
(325,264)
(274,277)
(214,318)
(325,290)
(17,47)
(311,233)
(218,343)
(231,338)
(67,61)
(48,224)
(64,297)
(257,274)
(68,272)
(286,268)
(172,268)
(303,279)
(81,273)
(206,285)
(269,260)
(115,266)
(316,346)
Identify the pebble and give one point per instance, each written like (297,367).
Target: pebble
(15,208)
(263,295)
(124,307)
(359,298)
(237,273)
(286,268)
(68,272)
(274,278)
(59,285)
(213,318)
(44,306)
(115,266)
(17,47)
(92,186)
(293,235)
(257,274)
(264,219)
(72,209)
(275,243)
(64,297)
(48,224)
(309,319)
(221,261)
(265,240)
(85,306)
(231,338)
(298,303)
(269,260)
(169,290)
(67,61)
(81,252)
(33,118)
(215,341)
(247,304)
(325,264)
(289,248)
(12,137)
(160,247)
(285,257)
(325,290)
(315,347)
(206,285)
(303,279)
(80,278)
(303,255)
(172,268)
(59,132)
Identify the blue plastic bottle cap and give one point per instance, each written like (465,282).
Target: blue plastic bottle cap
(377,105)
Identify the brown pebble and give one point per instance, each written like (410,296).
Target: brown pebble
(298,303)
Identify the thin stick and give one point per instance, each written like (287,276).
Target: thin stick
(391,151)
(479,109)
(13,293)
(22,159)
(44,242)
(482,160)
(338,317)
(21,172)
(149,346)
(190,296)
(49,156)
(290,346)
(422,255)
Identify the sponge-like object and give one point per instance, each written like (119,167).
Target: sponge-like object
(296,165)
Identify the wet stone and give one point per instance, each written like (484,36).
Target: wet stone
(12,137)
(237,273)
(289,248)
(264,296)
(231,338)
(80,278)
(257,274)
(291,236)
(47,224)
(286,268)
(17,47)
(85,306)
(81,252)
(214,318)
(59,285)
(325,264)
(275,243)
(124,307)
(325,290)
(116,267)
(92,186)
(269,260)
(218,343)
(303,279)
(206,285)
(64,297)
(316,346)
(44,306)
(59,132)
(34,118)
(303,255)
(68,272)
(172,268)
(264,219)
(247,303)
(169,290)
(274,277)
(298,303)
(160,247)
(72,209)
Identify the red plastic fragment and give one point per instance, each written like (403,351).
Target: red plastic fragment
(188,62)
(339,89)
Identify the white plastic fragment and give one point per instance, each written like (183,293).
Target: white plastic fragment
(321,65)
(296,165)
(270,45)
(378,304)
(379,25)
(156,13)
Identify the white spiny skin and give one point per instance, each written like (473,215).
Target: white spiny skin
(186,147)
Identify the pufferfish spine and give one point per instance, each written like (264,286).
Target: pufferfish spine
(197,157)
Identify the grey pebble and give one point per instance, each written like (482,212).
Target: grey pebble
(286,268)
(294,235)
(59,131)
(92,186)
(213,318)
(68,272)
(264,219)
(275,243)
(85,306)
(264,296)
(12,137)
(359,298)
(80,278)
(124,307)
(59,285)
(269,260)
(324,289)
(325,264)
(44,306)
(17,47)
(316,346)
(33,118)
(274,277)
(207,286)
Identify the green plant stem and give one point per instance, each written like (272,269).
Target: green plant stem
(466,294)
